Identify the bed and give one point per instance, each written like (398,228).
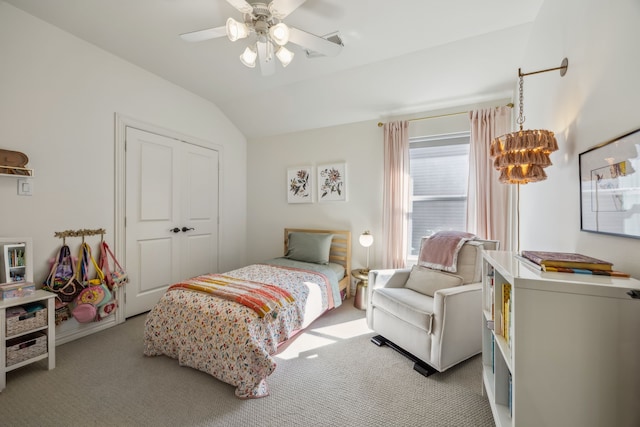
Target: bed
(230,325)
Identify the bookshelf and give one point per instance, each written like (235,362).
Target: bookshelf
(571,354)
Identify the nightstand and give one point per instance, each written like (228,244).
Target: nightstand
(362,276)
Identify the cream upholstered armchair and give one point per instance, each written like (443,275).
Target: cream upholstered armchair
(431,315)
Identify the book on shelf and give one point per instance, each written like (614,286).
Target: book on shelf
(528,262)
(510,395)
(611,273)
(506,311)
(567,260)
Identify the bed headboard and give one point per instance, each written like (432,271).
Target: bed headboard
(340,252)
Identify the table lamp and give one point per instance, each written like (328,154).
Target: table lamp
(366,240)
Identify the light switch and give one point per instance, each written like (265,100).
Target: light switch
(25,187)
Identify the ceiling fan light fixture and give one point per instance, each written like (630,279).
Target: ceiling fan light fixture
(285,56)
(279,34)
(249,57)
(236,30)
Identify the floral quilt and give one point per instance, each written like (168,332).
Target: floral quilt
(227,339)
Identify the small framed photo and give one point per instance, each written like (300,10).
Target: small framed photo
(300,184)
(332,182)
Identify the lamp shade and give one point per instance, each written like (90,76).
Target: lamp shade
(366,239)
(522,156)
(279,34)
(285,56)
(236,30)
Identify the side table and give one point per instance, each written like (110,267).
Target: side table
(360,300)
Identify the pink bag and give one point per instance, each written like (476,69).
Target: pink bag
(92,296)
(114,277)
(84,313)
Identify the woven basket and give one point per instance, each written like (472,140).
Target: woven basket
(26,347)
(26,322)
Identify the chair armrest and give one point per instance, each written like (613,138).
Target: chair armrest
(444,293)
(392,278)
(457,324)
(444,299)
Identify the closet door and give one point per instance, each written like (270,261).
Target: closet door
(171,215)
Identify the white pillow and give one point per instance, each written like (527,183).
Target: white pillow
(428,281)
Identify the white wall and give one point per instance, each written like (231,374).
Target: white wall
(58,99)
(594,102)
(357,144)
(360,145)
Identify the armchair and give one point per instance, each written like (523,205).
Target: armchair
(431,316)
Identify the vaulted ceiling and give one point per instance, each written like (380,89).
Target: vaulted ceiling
(399,57)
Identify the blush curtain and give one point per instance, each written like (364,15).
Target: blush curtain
(488,199)
(395,193)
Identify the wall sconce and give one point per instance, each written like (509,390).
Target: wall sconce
(521,156)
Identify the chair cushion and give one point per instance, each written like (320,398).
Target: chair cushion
(406,304)
(428,281)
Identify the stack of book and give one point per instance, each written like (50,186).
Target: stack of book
(564,262)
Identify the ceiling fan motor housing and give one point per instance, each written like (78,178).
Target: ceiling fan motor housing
(260,20)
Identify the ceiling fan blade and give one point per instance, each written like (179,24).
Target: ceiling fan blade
(314,43)
(209,33)
(282,8)
(241,5)
(265,57)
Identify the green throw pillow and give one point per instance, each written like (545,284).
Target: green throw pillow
(309,247)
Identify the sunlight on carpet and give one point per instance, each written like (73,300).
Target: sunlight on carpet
(315,338)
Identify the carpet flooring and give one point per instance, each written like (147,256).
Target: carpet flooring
(330,375)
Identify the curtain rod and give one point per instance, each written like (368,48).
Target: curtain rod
(380,124)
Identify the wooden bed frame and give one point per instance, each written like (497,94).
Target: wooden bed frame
(340,251)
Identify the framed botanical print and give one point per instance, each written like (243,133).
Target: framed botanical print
(300,185)
(332,183)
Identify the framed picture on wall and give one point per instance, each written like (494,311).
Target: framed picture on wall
(300,184)
(332,182)
(610,187)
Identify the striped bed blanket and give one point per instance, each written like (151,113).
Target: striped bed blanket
(265,299)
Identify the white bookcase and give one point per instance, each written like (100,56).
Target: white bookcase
(572,357)
(48,328)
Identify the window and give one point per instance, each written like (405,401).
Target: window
(439,168)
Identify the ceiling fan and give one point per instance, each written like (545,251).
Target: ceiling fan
(271,34)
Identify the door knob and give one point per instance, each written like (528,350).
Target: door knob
(174,230)
(185,229)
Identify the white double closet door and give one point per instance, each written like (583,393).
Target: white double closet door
(171,215)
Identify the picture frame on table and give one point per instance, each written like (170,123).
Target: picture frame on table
(610,187)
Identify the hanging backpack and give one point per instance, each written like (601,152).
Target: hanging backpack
(96,292)
(115,276)
(62,278)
